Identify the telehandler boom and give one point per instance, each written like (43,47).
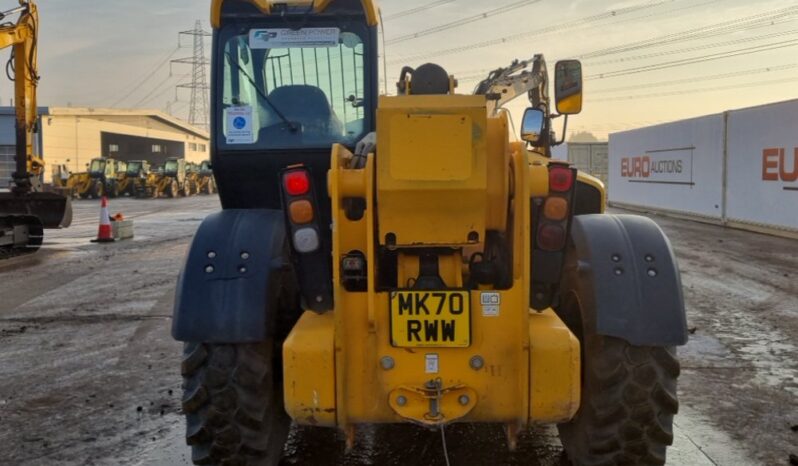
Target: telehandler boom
(26,210)
(406,259)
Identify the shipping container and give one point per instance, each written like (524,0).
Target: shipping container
(738,168)
(675,167)
(762,167)
(591,158)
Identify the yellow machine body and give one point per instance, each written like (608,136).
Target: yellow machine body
(429,186)
(437,160)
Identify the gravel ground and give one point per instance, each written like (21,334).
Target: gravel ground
(89,373)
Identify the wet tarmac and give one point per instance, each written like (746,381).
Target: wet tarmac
(89,373)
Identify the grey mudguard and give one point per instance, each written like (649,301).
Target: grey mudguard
(628,264)
(227,290)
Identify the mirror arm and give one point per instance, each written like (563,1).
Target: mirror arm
(564,131)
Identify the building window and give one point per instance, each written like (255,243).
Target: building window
(156,148)
(202,147)
(192,147)
(113,148)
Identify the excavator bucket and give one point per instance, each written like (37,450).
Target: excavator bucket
(52,210)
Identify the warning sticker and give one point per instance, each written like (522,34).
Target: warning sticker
(290,38)
(431,363)
(491,304)
(239,125)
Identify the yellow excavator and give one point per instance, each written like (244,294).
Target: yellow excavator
(26,210)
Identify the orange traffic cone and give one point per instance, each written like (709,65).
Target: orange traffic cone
(104,234)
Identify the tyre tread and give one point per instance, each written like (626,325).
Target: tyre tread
(623,417)
(229,422)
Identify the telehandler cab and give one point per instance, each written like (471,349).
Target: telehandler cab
(403,258)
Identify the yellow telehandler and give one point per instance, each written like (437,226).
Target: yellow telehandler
(406,259)
(133,182)
(172,182)
(193,179)
(207,185)
(26,210)
(101,178)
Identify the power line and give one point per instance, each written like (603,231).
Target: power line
(793,80)
(689,61)
(694,60)
(739,24)
(536,32)
(461,22)
(419,9)
(470,75)
(146,77)
(158,87)
(477,74)
(697,79)
(695,48)
(766,19)
(163,90)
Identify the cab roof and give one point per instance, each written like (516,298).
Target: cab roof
(367,7)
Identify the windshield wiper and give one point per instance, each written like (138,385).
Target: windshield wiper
(291,125)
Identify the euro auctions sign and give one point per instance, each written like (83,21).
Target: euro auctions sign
(667,166)
(781,165)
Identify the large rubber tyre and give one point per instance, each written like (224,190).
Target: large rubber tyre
(628,392)
(174,189)
(97,190)
(233,402)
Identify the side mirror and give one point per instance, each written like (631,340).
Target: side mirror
(568,87)
(532,125)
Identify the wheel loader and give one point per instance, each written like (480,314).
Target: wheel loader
(172,182)
(207,185)
(193,179)
(101,178)
(408,259)
(27,209)
(133,182)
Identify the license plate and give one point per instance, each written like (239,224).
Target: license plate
(430,319)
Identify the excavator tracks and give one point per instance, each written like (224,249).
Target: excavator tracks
(20,235)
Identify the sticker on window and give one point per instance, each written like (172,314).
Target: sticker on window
(239,125)
(289,38)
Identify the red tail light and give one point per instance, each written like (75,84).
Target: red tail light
(561,179)
(296,182)
(551,237)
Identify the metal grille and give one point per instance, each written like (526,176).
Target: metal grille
(7,165)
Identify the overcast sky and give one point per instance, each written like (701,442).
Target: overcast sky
(94,53)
